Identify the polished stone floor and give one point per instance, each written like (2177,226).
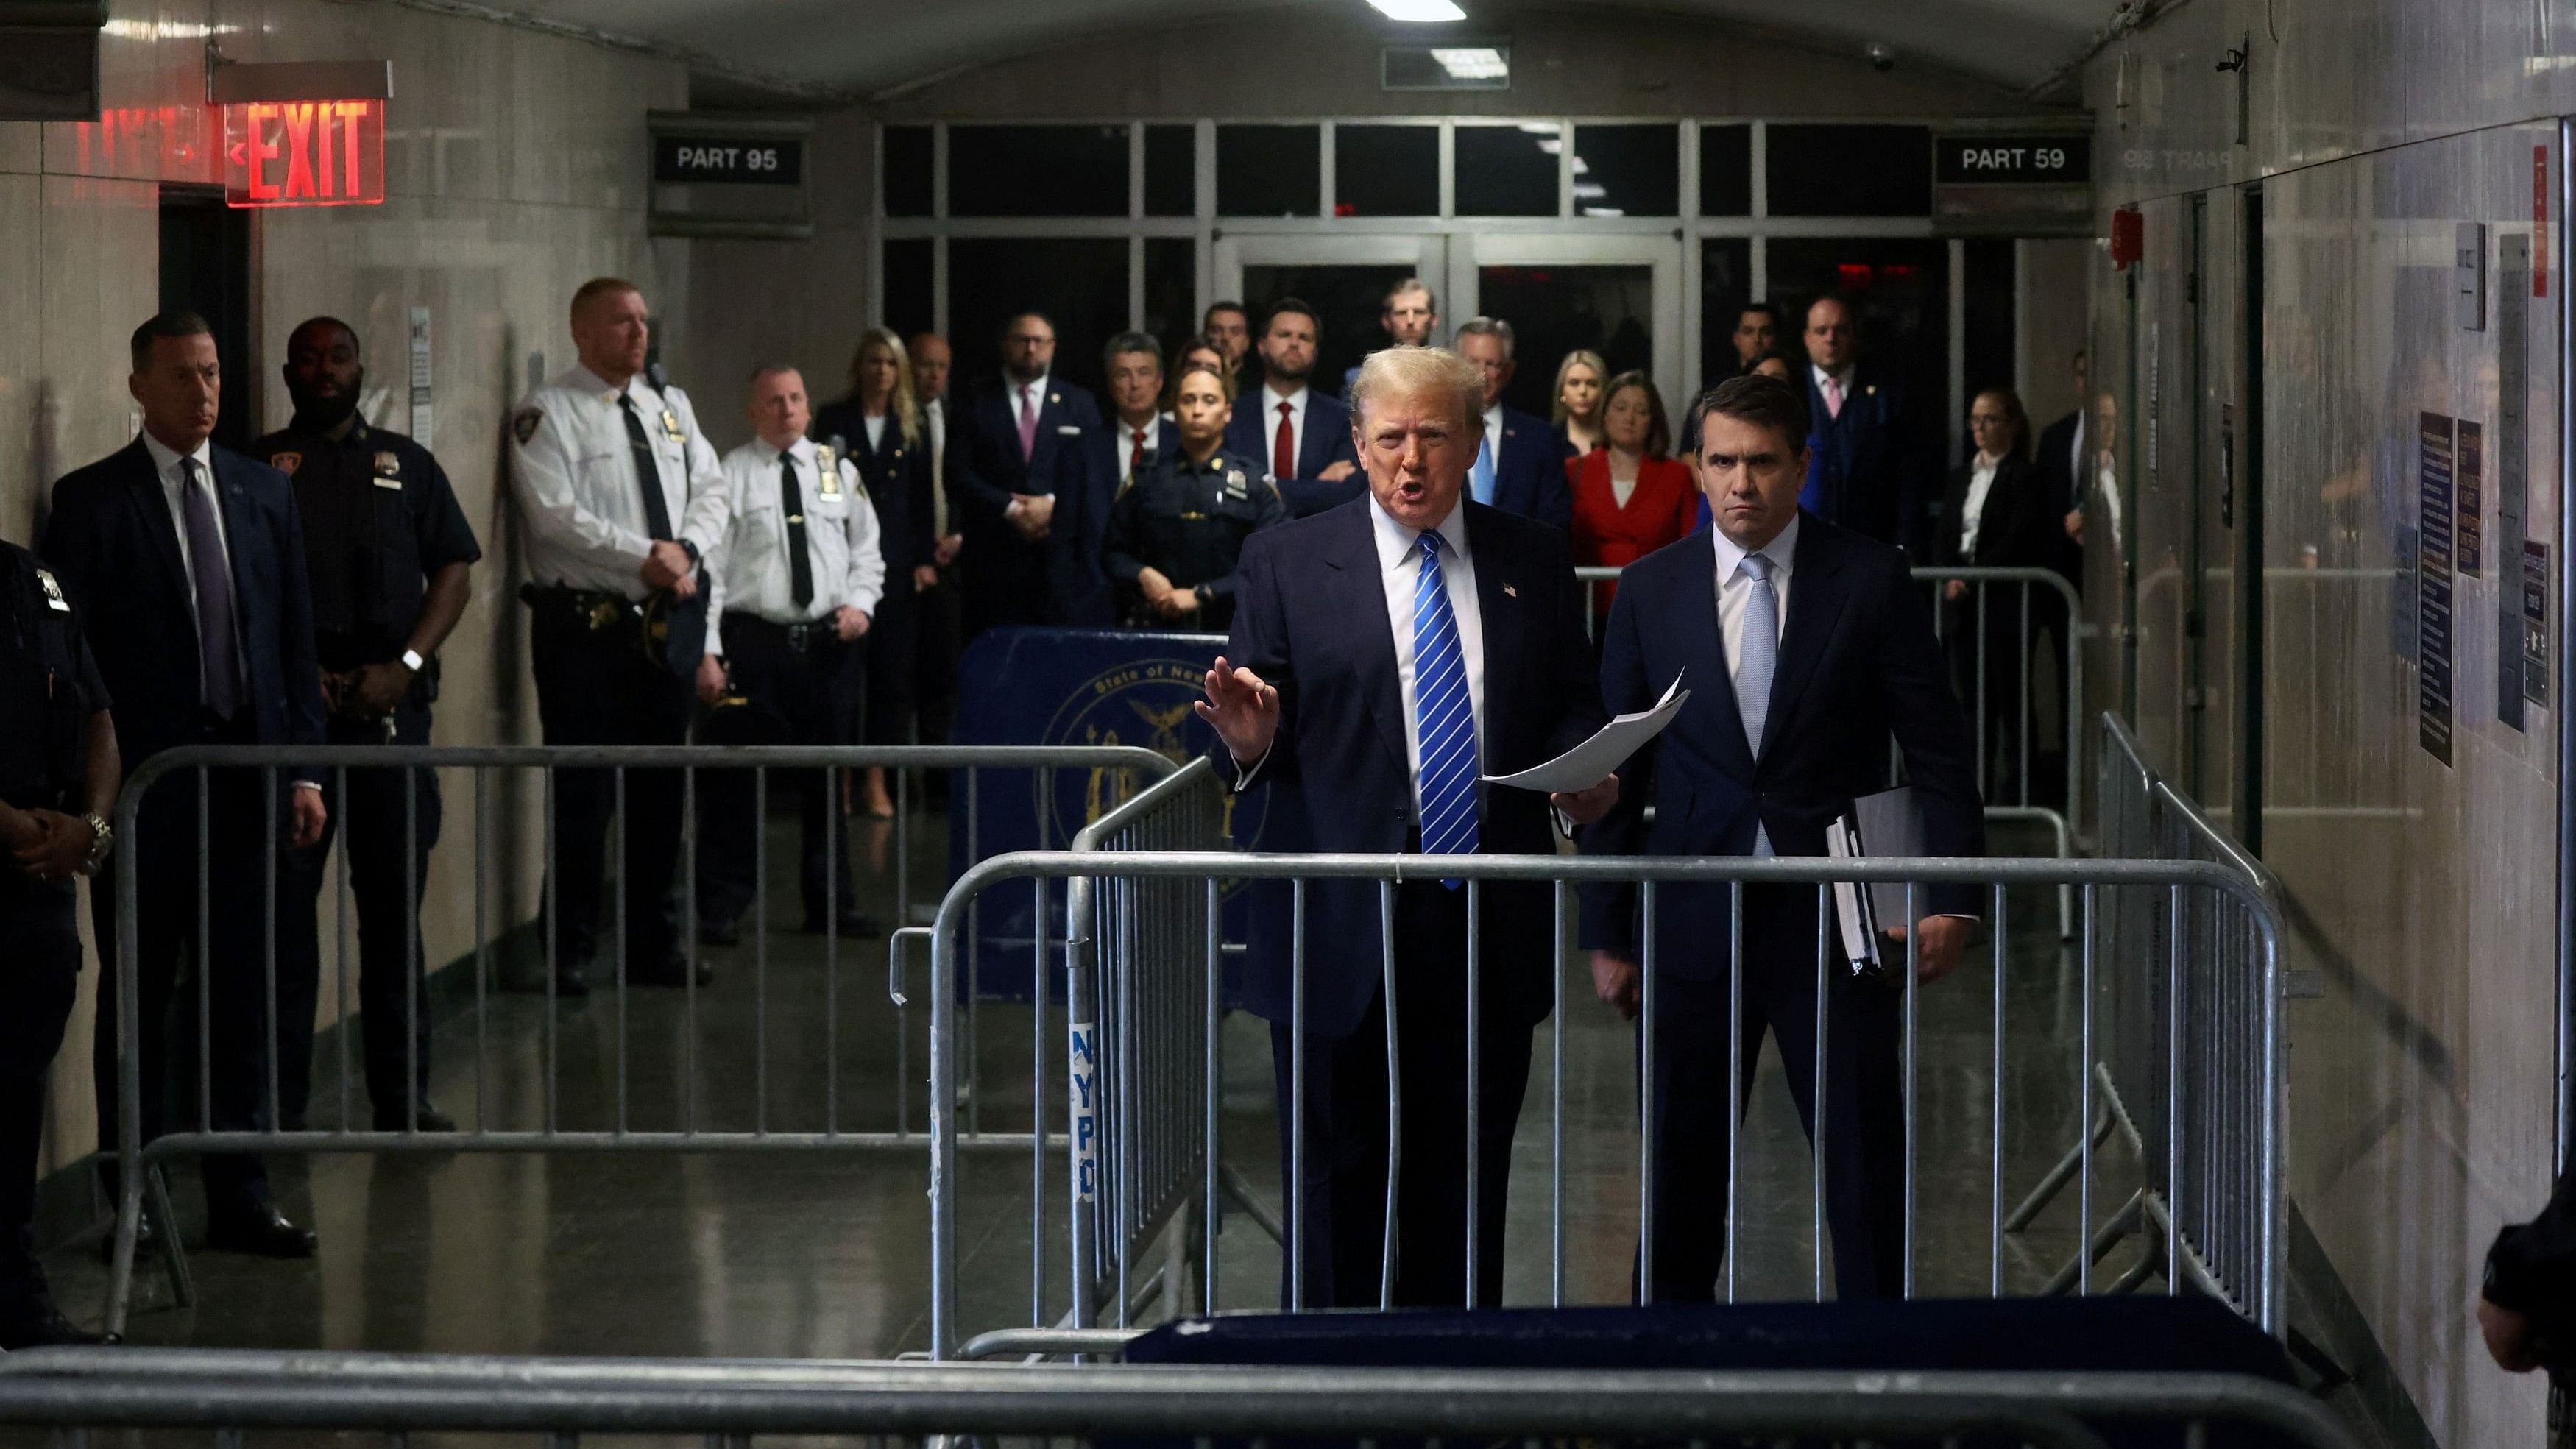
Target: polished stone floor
(825,1252)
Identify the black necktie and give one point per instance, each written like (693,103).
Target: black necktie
(792,505)
(648,471)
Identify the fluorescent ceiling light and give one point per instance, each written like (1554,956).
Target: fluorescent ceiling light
(1590,191)
(1478,63)
(1419,10)
(1603,211)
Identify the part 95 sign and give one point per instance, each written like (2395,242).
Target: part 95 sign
(679,159)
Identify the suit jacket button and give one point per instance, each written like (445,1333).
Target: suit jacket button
(1399,812)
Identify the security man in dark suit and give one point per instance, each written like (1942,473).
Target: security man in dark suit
(1386,655)
(1178,529)
(1022,456)
(188,560)
(58,780)
(1521,470)
(623,498)
(388,550)
(1806,648)
(1869,472)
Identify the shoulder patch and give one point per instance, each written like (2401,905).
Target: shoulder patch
(525,425)
(286,463)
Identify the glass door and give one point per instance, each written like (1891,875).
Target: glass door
(1620,296)
(1344,278)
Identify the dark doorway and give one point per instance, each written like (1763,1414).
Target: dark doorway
(1901,288)
(205,269)
(1555,310)
(2243,462)
(1350,300)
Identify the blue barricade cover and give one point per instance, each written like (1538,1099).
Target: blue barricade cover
(2132,1334)
(1068,687)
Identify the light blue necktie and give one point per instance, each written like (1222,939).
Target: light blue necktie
(1758,659)
(1480,478)
(1443,716)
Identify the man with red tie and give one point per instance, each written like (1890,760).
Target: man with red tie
(1133,362)
(1022,466)
(1304,436)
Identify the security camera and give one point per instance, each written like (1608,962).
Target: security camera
(1882,56)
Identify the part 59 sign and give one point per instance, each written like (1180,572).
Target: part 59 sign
(680,159)
(1974,160)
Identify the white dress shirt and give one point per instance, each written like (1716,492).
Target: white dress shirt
(1494,436)
(1735,591)
(173,483)
(1842,379)
(2075,458)
(875,424)
(1122,436)
(753,573)
(573,469)
(1399,561)
(935,413)
(1271,398)
(1973,512)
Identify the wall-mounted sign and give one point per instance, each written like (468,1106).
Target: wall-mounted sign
(678,158)
(49,59)
(304,153)
(2056,159)
(2004,178)
(730,176)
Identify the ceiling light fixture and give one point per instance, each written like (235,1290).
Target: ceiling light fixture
(1419,11)
(1478,63)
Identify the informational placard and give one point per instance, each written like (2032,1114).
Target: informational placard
(2468,531)
(2513,385)
(2433,562)
(420,402)
(731,175)
(683,157)
(2000,180)
(2535,622)
(2046,159)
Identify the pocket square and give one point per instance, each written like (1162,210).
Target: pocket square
(1069,430)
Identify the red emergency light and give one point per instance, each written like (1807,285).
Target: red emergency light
(303,133)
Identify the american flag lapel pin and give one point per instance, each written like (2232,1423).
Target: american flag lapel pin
(1510,593)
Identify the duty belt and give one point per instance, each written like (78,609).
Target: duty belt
(803,638)
(601,611)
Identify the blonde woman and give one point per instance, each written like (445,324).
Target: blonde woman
(879,425)
(1580,379)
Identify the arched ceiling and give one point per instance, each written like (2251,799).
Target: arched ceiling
(863,48)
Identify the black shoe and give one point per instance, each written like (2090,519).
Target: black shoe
(719,933)
(425,1118)
(853,922)
(147,1241)
(42,1327)
(670,971)
(262,1232)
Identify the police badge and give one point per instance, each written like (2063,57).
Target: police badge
(388,467)
(54,599)
(671,426)
(524,426)
(287,463)
(827,470)
(1234,485)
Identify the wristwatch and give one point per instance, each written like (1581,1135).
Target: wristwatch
(412,661)
(102,840)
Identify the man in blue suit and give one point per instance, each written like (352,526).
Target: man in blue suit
(1022,467)
(1303,436)
(188,562)
(1806,647)
(1869,469)
(1385,655)
(1520,470)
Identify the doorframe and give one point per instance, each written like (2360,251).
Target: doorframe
(1663,254)
(2246,484)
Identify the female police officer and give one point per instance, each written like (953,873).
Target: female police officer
(1177,528)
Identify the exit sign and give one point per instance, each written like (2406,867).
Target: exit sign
(304,153)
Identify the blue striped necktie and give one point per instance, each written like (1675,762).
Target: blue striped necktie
(1443,716)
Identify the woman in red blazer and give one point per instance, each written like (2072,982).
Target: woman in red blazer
(1630,498)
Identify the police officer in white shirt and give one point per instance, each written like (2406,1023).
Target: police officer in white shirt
(793,591)
(622,498)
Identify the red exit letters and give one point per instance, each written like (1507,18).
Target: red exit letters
(304,153)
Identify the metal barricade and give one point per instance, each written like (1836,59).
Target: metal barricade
(229,1394)
(510,1113)
(2172,1022)
(2232,1176)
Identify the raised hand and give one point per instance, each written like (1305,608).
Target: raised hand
(1243,709)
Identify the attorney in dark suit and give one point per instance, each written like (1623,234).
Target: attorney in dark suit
(1805,647)
(1998,514)
(1522,466)
(1868,470)
(2066,461)
(188,562)
(1384,655)
(1299,434)
(1020,470)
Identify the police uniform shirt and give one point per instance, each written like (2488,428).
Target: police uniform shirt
(753,572)
(379,519)
(573,468)
(49,686)
(1188,520)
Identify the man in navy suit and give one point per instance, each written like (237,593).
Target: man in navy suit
(1520,470)
(1138,432)
(1869,469)
(1805,647)
(188,561)
(1302,436)
(1022,468)
(1385,654)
